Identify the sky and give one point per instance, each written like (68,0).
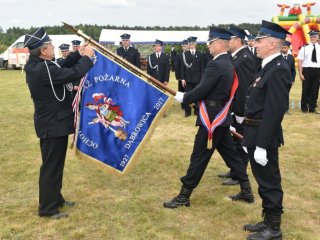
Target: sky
(37,13)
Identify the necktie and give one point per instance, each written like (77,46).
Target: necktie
(252,50)
(314,54)
(285,58)
(158,55)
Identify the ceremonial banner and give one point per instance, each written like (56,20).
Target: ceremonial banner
(118,110)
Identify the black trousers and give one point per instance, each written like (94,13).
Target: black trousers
(53,151)
(200,157)
(188,88)
(269,181)
(310,89)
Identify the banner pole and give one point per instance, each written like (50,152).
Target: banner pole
(120,60)
(127,64)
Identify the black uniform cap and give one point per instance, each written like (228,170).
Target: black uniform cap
(125,36)
(270,29)
(236,31)
(38,38)
(64,47)
(75,42)
(158,42)
(218,33)
(287,43)
(313,33)
(192,40)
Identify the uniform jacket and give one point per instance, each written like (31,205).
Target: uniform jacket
(160,67)
(244,65)
(192,74)
(292,67)
(60,61)
(53,118)
(132,55)
(266,100)
(215,85)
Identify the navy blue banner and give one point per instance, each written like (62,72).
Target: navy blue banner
(118,108)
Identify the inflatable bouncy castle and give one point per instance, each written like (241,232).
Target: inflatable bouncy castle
(297,23)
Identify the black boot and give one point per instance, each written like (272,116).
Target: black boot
(245,195)
(271,232)
(258,227)
(181,200)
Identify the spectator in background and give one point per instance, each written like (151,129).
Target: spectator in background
(64,49)
(128,52)
(179,65)
(191,71)
(252,49)
(158,63)
(309,71)
(291,63)
(173,57)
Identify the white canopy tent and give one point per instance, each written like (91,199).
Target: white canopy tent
(112,36)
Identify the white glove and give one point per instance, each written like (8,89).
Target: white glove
(179,96)
(239,119)
(232,128)
(245,149)
(260,155)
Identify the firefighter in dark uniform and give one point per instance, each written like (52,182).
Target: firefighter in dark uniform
(50,86)
(75,47)
(264,111)
(191,71)
(179,65)
(127,52)
(214,89)
(64,49)
(291,63)
(252,49)
(244,65)
(158,65)
(173,58)
(309,71)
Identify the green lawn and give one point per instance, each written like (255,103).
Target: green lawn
(110,206)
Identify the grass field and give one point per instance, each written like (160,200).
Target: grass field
(130,206)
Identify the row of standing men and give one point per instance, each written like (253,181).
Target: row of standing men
(263,112)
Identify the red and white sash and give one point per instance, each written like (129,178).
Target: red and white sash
(221,116)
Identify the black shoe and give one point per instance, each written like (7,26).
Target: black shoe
(177,202)
(230,181)
(187,115)
(67,204)
(181,200)
(267,234)
(258,227)
(224,175)
(245,195)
